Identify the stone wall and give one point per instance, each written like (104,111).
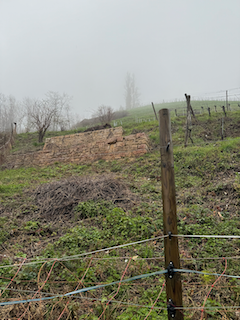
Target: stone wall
(86,147)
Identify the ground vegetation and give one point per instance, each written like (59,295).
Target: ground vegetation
(63,211)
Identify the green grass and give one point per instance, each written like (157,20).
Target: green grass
(208,189)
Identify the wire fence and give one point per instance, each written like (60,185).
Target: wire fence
(54,263)
(42,296)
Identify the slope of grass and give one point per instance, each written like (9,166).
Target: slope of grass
(208,201)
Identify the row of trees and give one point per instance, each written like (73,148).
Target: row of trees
(53,111)
(50,113)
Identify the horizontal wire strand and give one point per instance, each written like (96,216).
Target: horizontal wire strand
(206,236)
(87,253)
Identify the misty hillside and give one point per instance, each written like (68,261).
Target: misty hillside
(53,220)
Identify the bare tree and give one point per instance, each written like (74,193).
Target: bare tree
(62,118)
(49,112)
(104,114)
(75,124)
(131,92)
(10,112)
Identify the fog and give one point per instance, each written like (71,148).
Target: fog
(85,49)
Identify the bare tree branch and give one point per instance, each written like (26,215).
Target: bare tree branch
(104,114)
(53,111)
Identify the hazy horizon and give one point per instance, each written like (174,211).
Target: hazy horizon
(86,48)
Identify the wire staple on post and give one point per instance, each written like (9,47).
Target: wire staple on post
(171,309)
(170,270)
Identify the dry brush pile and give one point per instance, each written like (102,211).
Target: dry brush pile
(60,197)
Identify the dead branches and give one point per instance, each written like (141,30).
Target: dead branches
(60,197)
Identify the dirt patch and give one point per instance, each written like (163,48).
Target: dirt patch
(60,197)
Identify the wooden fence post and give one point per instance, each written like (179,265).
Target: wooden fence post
(227,100)
(224,110)
(173,281)
(188,121)
(154,111)
(192,112)
(222,127)
(209,111)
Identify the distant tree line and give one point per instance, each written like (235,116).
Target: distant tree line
(53,111)
(50,113)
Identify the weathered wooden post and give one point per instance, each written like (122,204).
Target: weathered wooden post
(215,108)
(224,110)
(191,110)
(173,280)
(154,111)
(227,100)
(222,128)
(209,111)
(188,121)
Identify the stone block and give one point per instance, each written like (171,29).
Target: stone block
(130,137)
(139,152)
(120,144)
(140,134)
(143,146)
(111,140)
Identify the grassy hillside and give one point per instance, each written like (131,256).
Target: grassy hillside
(66,210)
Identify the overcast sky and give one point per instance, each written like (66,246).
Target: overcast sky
(86,47)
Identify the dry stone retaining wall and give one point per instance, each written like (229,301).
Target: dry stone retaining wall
(85,147)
